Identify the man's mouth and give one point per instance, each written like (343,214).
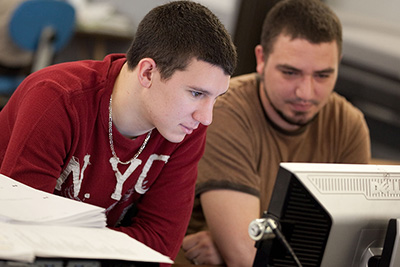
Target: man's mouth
(187,130)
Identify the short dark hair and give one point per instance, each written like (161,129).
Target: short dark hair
(174,33)
(307,19)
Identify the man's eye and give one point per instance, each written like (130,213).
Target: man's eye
(289,72)
(196,94)
(322,75)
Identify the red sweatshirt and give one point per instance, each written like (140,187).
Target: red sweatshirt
(54,137)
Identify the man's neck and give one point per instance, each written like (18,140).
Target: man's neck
(127,112)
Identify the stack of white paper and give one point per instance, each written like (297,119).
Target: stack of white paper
(34,224)
(26,242)
(24,204)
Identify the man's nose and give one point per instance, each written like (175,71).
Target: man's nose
(204,114)
(305,88)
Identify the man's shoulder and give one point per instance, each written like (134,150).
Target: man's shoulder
(80,69)
(339,101)
(340,107)
(243,89)
(243,81)
(77,76)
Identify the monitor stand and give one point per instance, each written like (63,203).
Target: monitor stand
(389,255)
(391,248)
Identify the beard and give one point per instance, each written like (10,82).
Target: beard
(298,122)
(299,117)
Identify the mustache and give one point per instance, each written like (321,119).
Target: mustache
(303,101)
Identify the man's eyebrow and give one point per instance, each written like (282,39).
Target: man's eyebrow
(327,70)
(289,67)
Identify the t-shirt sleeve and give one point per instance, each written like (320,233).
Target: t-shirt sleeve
(229,161)
(354,143)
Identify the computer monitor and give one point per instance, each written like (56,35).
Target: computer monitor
(331,214)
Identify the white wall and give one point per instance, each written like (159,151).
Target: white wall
(226,10)
(371,32)
(370,27)
(383,10)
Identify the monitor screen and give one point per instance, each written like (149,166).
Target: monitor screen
(330,214)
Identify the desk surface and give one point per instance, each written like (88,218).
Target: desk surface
(181,261)
(96,43)
(192,265)
(384,162)
(104,33)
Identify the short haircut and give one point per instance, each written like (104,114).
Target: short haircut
(174,33)
(311,20)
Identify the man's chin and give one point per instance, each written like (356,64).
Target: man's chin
(175,138)
(299,121)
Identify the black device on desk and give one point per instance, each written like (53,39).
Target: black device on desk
(330,215)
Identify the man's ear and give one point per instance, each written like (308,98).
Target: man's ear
(259,52)
(146,68)
(340,59)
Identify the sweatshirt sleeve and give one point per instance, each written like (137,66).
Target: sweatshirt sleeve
(37,135)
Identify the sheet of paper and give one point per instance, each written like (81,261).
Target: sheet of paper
(72,242)
(21,203)
(32,224)
(13,247)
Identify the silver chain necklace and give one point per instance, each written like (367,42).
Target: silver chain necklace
(110,136)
